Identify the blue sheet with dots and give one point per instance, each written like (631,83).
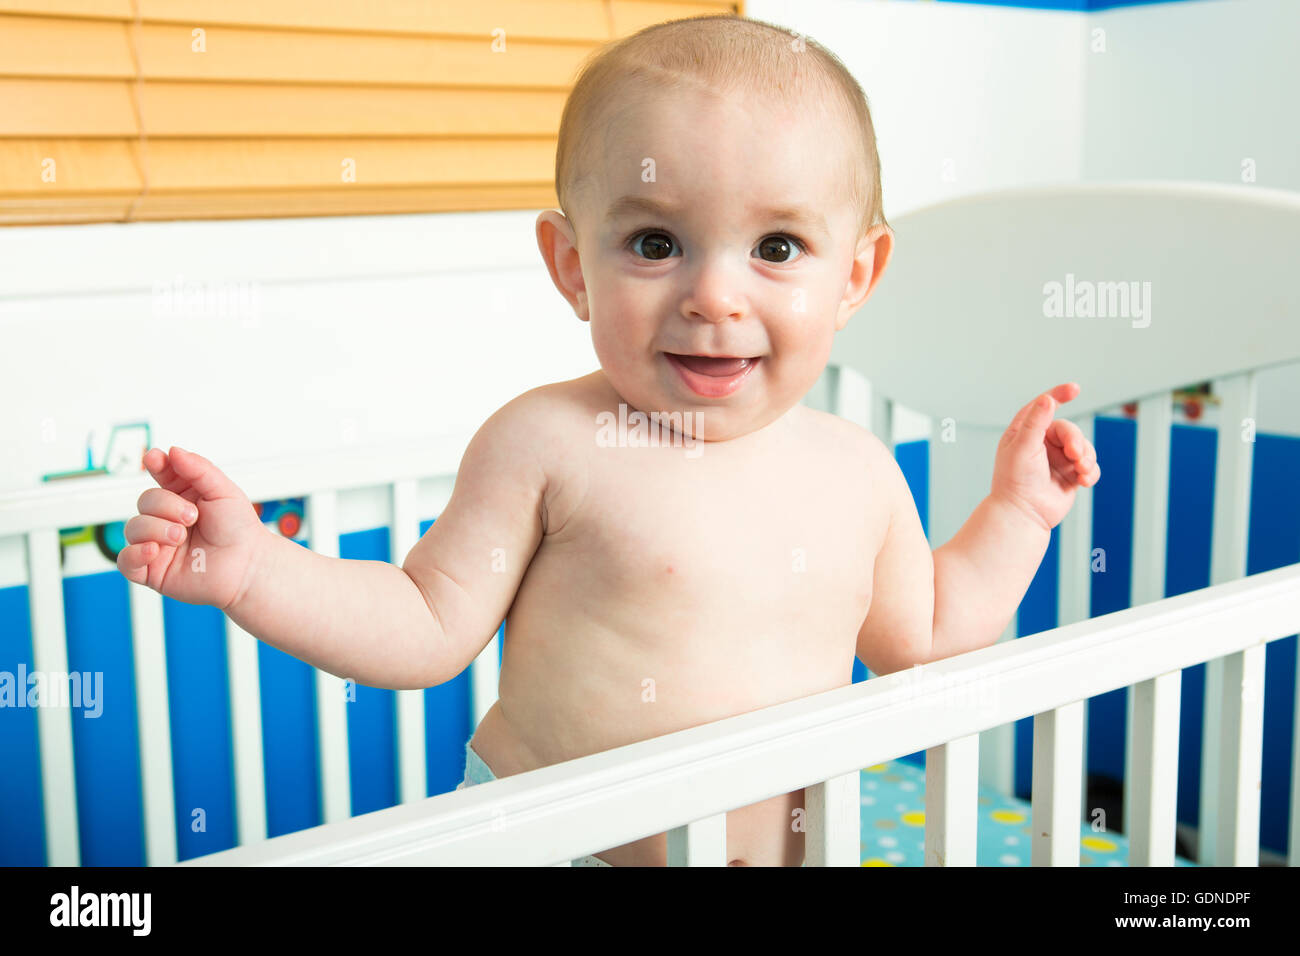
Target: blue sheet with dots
(893,824)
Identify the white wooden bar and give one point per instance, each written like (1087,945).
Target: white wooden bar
(153,715)
(1233,467)
(1150,533)
(1074,580)
(700,843)
(73,502)
(404,532)
(485,678)
(246,733)
(53,724)
(882,418)
(850,396)
(1153,823)
(997,757)
(1241,743)
(951,807)
(834,818)
(331,690)
(1055,807)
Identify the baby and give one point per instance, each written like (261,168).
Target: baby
(722,220)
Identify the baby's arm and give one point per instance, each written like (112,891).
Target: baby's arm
(422,624)
(383,626)
(926,607)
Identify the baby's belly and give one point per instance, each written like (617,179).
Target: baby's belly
(566,695)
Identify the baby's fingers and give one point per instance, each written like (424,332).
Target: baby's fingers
(143,528)
(167,505)
(1069,438)
(133,561)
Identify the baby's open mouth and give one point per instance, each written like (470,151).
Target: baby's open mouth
(712,376)
(717,366)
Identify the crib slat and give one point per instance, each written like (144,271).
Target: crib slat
(882,418)
(1154,822)
(411,771)
(1241,749)
(331,690)
(702,843)
(997,757)
(1074,580)
(1234,460)
(834,818)
(53,724)
(951,792)
(485,677)
(246,733)
(1150,522)
(1055,808)
(155,725)
(850,396)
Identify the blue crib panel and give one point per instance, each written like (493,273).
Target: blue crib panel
(106,748)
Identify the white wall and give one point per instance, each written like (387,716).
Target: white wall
(371,328)
(320,332)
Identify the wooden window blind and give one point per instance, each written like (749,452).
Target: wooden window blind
(124,110)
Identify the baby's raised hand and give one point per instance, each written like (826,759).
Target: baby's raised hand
(1041,461)
(197,537)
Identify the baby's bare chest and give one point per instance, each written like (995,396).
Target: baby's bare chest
(754,539)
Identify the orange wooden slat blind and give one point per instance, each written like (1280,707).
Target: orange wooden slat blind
(122,110)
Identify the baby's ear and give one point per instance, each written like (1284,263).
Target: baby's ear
(869,261)
(558,244)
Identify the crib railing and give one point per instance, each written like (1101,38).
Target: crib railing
(37,515)
(958,468)
(684,783)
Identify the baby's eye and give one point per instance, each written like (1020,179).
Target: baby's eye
(654,245)
(779,248)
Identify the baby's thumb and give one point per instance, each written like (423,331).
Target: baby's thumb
(203,476)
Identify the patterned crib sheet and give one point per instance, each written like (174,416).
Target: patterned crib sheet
(893,824)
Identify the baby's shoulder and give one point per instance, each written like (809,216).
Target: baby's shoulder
(559,411)
(547,428)
(841,437)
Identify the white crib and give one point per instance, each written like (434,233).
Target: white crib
(964,296)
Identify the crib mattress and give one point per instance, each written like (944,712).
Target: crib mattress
(893,824)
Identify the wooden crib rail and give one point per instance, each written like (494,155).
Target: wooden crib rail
(685,782)
(94,500)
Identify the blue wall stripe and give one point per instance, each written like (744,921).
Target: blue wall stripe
(22,811)
(372,717)
(202,748)
(106,752)
(1076,6)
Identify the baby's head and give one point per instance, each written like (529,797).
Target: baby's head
(721,195)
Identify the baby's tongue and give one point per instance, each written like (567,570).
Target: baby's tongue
(719,367)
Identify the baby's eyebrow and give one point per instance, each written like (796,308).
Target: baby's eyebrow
(628,205)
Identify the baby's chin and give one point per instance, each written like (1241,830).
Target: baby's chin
(704,419)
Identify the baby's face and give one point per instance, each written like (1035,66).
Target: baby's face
(718,255)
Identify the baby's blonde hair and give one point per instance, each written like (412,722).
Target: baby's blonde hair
(719,53)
